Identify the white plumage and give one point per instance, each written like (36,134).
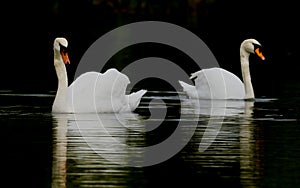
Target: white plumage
(91,92)
(218,83)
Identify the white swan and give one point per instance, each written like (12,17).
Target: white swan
(91,91)
(217,83)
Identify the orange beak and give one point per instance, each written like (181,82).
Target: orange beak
(259,53)
(65,57)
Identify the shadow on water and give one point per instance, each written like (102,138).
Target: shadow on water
(224,143)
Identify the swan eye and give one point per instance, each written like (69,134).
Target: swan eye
(64,54)
(63,51)
(259,53)
(62,48)
(256,46)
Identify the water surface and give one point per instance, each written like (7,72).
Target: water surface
(218,143)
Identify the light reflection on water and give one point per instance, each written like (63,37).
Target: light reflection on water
(246,144)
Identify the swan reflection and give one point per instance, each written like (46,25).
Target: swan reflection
(59,164)
(216,111)
(94,141)
(218,107)
(89,147)
(226,134)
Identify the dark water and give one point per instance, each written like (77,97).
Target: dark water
(247,144)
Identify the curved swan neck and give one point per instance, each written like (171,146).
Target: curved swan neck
(60,69)
(249,93)
(60,100)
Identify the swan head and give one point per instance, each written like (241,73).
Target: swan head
(60,44)
(252,46)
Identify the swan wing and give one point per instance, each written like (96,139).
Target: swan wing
(110,91)
(135,98)
(99,92)
(81,93)
(218,83)
(190,90)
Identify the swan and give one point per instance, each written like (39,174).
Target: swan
(91,91)
(218,83)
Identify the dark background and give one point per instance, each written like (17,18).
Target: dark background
(29,28)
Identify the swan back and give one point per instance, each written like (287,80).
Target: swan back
(218,83)
(96,92)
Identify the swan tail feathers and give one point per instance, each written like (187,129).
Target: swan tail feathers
(135,98)
(194,75)
(189,89)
